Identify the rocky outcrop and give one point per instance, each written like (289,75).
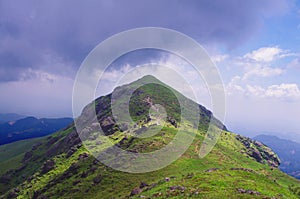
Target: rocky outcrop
(259,151)
(48,166)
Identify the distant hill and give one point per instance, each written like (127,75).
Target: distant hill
(288,152)
(8,117)
(30,127)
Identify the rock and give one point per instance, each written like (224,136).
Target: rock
(249,191)
(181,188)
(73,168)
(151,186)
(141,130)
(23,166)
(38,195)
(96,161)
(12,194)
(258,143)
(143,184)
(27,156)
(76,182)
(259,151)
(189,175)
(83,156)
(84,174)
(173,122)
(97,179)
(135,191)
(256,155)
(52,140)
(123,140)
(36,145)
(4,179)
(107,125)
(242,169)
(71,151)
(48,166)
(93,169)
(156,195)
(212,169)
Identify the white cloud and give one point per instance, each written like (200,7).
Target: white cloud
(286,91)
(262,89)
(265,54)
(253,69)
(295,63)
(263,71)
(254,91)
(219,58)
(234,86)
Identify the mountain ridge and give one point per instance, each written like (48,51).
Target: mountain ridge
(59,165)
(7,117)
(30,127)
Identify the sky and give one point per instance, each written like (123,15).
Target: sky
(255,45)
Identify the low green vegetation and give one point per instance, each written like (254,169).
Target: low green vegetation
(60,166)
(12,154)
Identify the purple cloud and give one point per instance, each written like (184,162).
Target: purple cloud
(48,35)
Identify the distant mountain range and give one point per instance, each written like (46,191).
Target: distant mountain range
(288,152)
(13,129)
(7,117)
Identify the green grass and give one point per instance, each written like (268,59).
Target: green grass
(11,150)
(187,171)
(12,154)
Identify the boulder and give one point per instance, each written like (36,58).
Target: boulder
(135,191)
(48,166)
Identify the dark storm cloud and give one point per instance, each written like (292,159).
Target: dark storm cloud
(39,34)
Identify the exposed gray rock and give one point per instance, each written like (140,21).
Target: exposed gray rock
(48,166)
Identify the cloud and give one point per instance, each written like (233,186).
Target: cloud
(255,79)
(295,63)
(170,69)
(68,30)
(263,71)
(265,54)
(285,91)
(42,95)
(219,58)
(260,63)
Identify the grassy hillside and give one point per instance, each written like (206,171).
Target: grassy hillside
(227,172)
(60,166)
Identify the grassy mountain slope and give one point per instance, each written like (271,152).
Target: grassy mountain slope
(12,154)
(59,166)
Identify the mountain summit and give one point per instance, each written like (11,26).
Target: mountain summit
(60,166)
(146,92)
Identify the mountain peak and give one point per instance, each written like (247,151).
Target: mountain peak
(147,79)
(63,163)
